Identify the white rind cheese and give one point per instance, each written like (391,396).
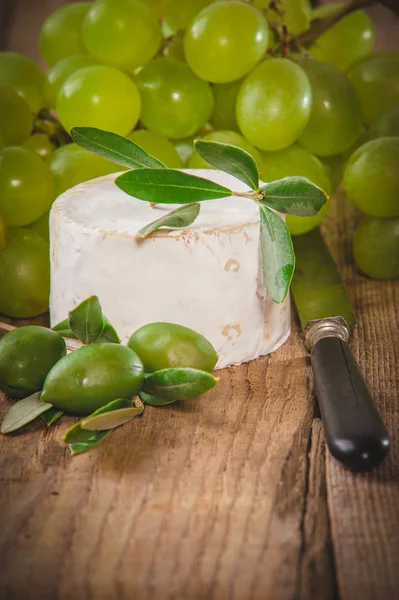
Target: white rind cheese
(207,277)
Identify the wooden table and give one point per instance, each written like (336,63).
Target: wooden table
(231,497)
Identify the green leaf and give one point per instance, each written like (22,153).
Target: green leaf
(115,148)
(23,412)
(231,159)
(113,415)
(294,196)
(95,438)
(63,329)
(154,400)
(86,320)
(180,217)
(167,186)
(51,416)
(179,383)
(278,258)
(109,334)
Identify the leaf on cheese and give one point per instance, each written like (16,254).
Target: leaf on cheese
(180,217)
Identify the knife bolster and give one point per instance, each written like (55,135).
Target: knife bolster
(332,327)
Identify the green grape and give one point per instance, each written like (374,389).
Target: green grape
(224,137)
(26,186)
(334,165)
(72,164)
(61,71)
(24,274)
(1,142)
(346,42)
(326,10)
(336,119)
(376,81)
(176,103)
(2,233)
(386,125)
(16,119)
(225,41)
(100,97)
(185,148)
(371,178)
(41,226)
(158,7)
(296,14)
(61,33)
(295,161)
(224,107)
(121,33)
(175,48)
(376,247)
(39,143)
(180,13)
(274,104)
(157,145)
(24,77)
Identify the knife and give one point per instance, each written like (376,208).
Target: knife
(355,432)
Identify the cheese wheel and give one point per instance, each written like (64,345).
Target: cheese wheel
(207,276)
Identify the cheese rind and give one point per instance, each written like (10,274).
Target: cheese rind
(207,277)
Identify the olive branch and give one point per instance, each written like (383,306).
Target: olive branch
(150,180)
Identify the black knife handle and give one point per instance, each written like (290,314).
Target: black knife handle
(355,432)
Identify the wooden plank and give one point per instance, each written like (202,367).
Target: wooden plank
(364,508)
(202,500)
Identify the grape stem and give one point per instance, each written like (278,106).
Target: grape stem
(319,26)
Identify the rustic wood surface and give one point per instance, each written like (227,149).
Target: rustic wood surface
(232,496)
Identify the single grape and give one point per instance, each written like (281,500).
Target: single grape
(16,118)
(26,186)
(376,247)
(157,145)
(39,143)
(2,233)
(41,226)
(72,164)
(336,119)
(296,17)
(224,137)
(61,71)
(376,81)
(346,42)
(61,33)
(225,41)
(295,161)
(224,107)
(274,104)
(185,148)
(100,97)
(121,33)
(386,125)
(176,103)
(371,178)
(24,77)
(334,165)
(180,13)
(24,274)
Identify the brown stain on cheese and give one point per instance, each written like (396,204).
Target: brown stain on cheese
(227,329)
(232,265)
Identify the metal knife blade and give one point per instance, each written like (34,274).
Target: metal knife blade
(355,432)
(317,286)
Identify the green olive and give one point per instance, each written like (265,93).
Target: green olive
(92,376)
(166,345)
(27,354)
(376,247)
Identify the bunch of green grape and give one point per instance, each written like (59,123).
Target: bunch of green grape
(165,72)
